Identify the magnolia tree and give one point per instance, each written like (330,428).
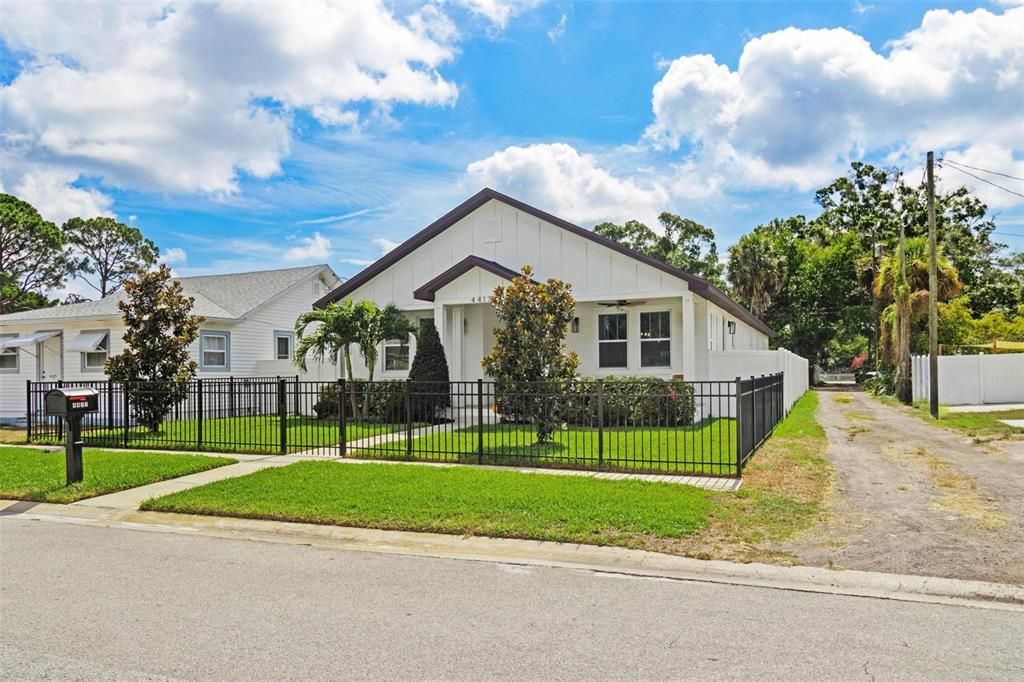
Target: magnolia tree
(159,328)
(530,363)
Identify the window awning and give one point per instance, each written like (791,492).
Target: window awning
(86,342)
(26,340)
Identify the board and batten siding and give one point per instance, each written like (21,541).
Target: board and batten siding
(513,238)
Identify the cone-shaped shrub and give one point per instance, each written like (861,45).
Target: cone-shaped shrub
(431,393)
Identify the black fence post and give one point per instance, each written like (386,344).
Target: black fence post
(199,412)
(231,396)
(408,418)
(28,410)
(480,421)
(282,413)
(739,427)
(342,442)
(126,414)
(600,423)
(110,404)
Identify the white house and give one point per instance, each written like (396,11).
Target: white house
(248,331)
(634,315)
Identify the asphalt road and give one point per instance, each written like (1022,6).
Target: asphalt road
(99,603)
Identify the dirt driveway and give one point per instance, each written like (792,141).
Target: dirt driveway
(915,498)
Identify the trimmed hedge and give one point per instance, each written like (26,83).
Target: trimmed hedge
(387,401)
(640,401)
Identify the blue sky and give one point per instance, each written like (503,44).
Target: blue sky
(240,140)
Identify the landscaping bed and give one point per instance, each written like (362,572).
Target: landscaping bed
(459,500)
(38,475)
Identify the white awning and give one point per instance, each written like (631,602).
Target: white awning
(26,340)
(86,342)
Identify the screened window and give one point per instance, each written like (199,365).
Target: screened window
(396,355)
(611,340)
(97,358)
(213,350)
(655,340)
(283,345)
(8,356)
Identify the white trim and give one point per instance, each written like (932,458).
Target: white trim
(4,350)
(284,334)
(85,354)
(597,337)
(641,339)
(203,335)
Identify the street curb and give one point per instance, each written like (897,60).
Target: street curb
(602,560)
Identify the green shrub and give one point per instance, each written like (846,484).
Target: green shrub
(431,391)
(641,401)
(387,401)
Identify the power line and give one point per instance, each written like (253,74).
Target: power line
(983,170)
(1007,234)
(985,181)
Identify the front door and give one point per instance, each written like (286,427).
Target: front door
(50,359)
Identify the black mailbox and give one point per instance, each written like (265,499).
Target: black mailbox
(66,402)
(71,404)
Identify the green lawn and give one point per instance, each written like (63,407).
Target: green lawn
(234,434)
(459,500)
(34,474)
(708,448)
(982,425)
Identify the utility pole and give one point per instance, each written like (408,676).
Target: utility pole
(933,297)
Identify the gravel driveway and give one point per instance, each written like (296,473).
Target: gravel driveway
(915,498)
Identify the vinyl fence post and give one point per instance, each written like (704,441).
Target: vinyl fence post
(126,414)
(28,410)
(480,421)
(282,413)
(199,412)
(342,444)
(408,418)
(600,423)
(739,428)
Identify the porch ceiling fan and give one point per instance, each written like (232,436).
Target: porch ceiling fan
(620,304)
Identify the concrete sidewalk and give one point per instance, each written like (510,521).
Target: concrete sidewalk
(610,560)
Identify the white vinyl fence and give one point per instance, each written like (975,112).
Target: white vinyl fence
(972,379)
(729,364)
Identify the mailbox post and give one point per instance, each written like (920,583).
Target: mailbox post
(70,404)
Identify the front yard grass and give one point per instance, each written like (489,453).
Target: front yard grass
(977,425)
(706,448)
(252,434)
(784,491)
(459,500)
(12,435)
(37,475)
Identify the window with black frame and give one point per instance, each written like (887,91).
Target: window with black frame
(655,339)
(612,350)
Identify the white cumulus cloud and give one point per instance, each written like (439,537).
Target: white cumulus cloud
(560,179)
(49,190)
(187,97)
(498,12)
(316,248)
(801,104)
(173,255)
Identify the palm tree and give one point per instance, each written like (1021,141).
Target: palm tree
(902,282)
(757,273)
(335,332)
(374,326)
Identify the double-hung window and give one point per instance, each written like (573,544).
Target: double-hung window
(396,355)
(283,345)
(96,359)
(655,339)
(612,349)
(8,356)
(214,350)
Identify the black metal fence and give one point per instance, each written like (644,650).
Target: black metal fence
(631,425)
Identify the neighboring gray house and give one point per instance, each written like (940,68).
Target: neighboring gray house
(248,331)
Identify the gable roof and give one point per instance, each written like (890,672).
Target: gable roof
(697,285)
(228,297)
(427,291)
